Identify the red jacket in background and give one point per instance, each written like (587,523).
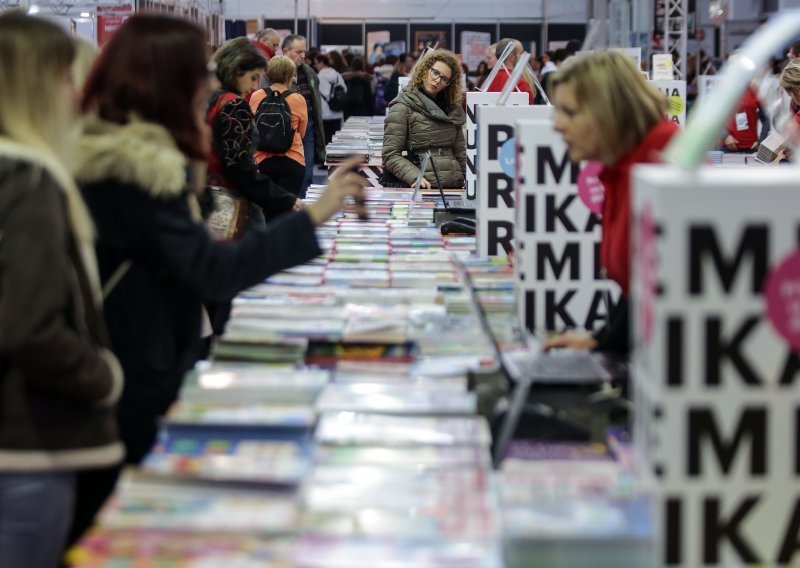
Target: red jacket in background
(500,81)
(743,125)
(265,51)
(615,254)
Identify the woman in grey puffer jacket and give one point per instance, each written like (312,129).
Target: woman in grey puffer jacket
(428,115)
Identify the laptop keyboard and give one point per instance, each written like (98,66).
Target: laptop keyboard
(573,365)
(462,204)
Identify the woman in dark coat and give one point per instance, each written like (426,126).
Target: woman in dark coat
(144,136)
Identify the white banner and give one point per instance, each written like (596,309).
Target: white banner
(474,100)
(557,236)
(716,313)
(496,167)
(473,47)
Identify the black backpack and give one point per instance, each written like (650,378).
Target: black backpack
(274,123)
(337,98)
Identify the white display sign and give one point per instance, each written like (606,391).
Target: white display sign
(474,100)
(706,84)
(473,47)
(557,236)
(403,82)
(675,91)
(496,169)
(663,67)
(716,323)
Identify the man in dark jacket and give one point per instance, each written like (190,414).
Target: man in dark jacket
(294,47)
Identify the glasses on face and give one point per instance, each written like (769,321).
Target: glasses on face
(436,75)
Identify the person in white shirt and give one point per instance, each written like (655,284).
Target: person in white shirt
(328,77)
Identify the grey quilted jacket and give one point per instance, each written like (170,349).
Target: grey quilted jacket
(415,124)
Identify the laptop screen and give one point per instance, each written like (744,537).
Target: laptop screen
(519,386)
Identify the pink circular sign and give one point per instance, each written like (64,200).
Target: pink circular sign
(782,293)
(590,188)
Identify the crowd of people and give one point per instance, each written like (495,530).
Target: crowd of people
(103,244)
(110,278)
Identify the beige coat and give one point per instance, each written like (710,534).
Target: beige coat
(415,124)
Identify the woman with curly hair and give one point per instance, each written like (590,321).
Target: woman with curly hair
(428,115)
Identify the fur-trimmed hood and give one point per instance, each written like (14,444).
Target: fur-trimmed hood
(139,153)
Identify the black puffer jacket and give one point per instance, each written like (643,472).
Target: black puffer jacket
(415,123)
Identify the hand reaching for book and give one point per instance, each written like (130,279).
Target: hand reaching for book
(332,199)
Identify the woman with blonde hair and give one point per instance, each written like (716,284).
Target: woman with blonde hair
(428,115)
(289,168)
(790,81)
(58,380)
(607,112)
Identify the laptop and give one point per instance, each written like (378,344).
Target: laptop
(565,368)
(453,207)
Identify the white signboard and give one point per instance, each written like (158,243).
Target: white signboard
(663,67)
(557,236)
(474,100)
(403,82)
(496,165)
(675,91)
(473,47)
(716,313)
(706,84)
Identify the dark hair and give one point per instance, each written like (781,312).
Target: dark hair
(357,64)
(795,47)
(559,55)
(348,57)
(153,68)
(573,46)
(322,58)
(290,39)
(337,61)
(377,45)
(390,60)
(235,57)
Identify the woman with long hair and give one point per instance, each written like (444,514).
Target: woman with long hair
(329,78)
(590,94)
(58,381)
(428,115)
(145,102)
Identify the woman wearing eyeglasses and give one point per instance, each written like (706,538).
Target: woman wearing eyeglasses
(428,116)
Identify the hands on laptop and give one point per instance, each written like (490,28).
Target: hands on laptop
(579,340)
